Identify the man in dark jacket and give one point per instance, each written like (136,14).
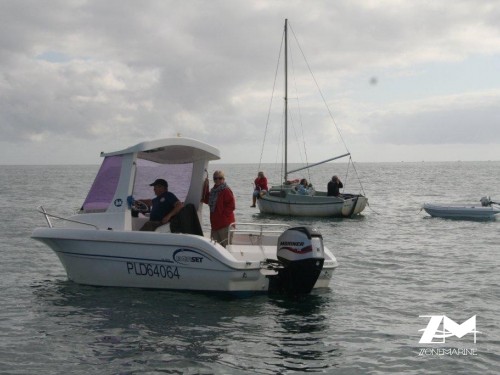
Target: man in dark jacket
(163,208)
(334,187)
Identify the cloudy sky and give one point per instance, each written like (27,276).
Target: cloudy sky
(403,80)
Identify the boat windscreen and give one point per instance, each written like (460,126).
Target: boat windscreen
(104,187)
(178,177)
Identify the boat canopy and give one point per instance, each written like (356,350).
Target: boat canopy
(129,172)
(171,151)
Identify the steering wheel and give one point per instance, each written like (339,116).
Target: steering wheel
(140,206)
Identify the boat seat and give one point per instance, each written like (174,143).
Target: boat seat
(138,222)
(163,229)
(251,253)
(186,221)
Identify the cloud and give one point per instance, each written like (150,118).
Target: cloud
(457,119)
(119,72)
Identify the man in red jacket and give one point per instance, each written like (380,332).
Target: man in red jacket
(222,205)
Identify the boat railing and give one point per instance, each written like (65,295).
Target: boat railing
(49,223)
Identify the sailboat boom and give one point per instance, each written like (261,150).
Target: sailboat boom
(321,162)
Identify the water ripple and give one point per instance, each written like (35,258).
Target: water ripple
(395,264)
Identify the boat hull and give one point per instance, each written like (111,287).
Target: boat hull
(161,261)
(287,203)
(456,211)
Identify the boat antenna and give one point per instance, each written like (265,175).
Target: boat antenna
(286,99)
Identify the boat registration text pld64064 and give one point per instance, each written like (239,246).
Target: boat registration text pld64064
(153,270)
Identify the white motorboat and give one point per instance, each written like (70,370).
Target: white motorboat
(102,245)
(486,210)
(283,199)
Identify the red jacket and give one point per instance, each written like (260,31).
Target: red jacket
(261,183)
(223,214)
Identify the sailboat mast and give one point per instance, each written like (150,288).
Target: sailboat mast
(286,99)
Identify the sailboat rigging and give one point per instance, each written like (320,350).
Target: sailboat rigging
(284,199)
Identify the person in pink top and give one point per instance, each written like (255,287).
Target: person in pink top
(222,204)
(260,186)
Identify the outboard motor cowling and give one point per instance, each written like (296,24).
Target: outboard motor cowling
(300,256)
(485,201)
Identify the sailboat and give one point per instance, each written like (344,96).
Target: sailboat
(284,198)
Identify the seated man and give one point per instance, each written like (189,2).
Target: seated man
(334,187)
(163,208)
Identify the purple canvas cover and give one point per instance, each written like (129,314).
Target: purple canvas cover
(104,187)
(105,184)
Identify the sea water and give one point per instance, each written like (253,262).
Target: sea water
(398,268)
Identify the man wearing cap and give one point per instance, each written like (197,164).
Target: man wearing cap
(162,208)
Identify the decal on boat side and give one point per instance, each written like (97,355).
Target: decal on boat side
(153,270)
(185,256)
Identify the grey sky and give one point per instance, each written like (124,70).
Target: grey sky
(405,80)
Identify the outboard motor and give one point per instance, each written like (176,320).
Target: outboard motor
(300,256)
(485,201)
